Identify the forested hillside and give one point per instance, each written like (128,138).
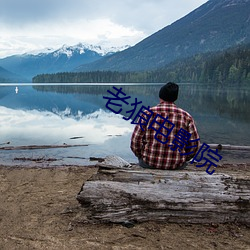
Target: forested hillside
(229,66)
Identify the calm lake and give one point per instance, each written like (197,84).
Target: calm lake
(56,114)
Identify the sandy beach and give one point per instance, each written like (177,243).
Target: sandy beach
(38,210)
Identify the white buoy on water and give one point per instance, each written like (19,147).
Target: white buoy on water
(16,90)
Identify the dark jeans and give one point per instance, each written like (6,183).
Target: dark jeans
(145,165)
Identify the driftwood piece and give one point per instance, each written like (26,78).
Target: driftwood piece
(29,147)
(228,147)
(120,195)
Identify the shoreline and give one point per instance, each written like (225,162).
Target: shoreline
(232,165)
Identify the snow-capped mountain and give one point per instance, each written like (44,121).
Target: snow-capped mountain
(81,48)
(64,59)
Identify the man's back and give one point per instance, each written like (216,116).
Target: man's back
(168,139)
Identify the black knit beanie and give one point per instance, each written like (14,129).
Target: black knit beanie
(169,92)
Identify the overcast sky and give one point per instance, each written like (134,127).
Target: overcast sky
(27,25)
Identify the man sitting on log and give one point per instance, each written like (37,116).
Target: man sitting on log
(165,136)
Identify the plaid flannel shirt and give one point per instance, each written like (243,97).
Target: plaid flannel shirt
(159,155)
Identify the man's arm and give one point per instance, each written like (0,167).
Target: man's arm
(137,140)
(194,142)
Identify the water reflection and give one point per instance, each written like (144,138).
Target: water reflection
(221,113)
(29,127)
(52,114)
(225,101)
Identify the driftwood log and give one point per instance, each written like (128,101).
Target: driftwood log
(228,147)
(136,195)
(30,147)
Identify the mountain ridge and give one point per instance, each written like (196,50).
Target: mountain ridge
(65,58)
(9,77)
(215,25)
